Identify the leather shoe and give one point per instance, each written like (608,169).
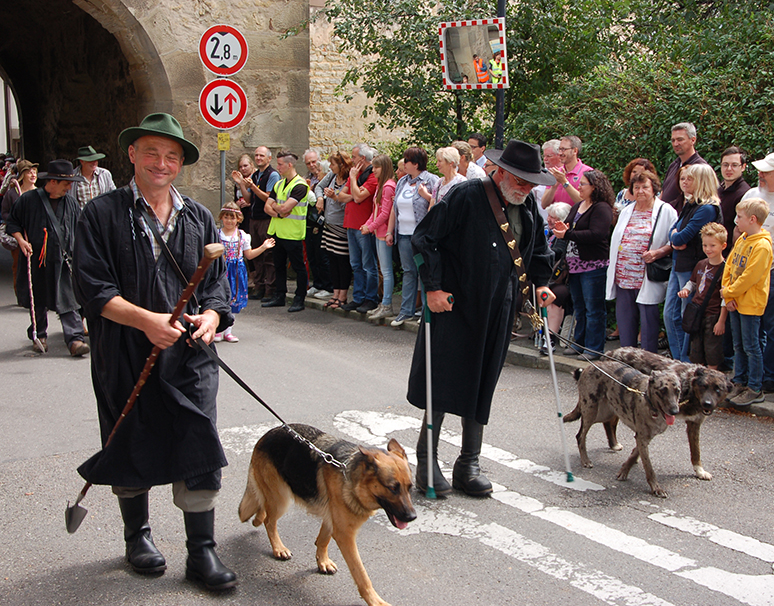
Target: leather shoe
(366,306)
(276,301)
(78,349)
(351,306)
(298,305)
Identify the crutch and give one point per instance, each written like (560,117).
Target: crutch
(544,314)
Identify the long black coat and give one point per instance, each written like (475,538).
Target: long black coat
(51,280)
(465,254)
(170,435)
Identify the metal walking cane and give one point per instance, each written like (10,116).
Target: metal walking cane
(549,347)
(430,492)
(35,339)
(75,513)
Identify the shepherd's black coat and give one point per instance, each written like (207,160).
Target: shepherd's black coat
(465,254)
(51,281)
(170,435)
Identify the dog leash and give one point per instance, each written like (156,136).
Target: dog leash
(325,456)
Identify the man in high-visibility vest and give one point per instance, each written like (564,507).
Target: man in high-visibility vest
(496,68)
(482,69)
(287,204)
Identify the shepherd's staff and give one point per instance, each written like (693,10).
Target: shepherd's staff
(74,514)
(35,339)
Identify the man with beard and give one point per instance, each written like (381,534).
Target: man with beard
(476,248)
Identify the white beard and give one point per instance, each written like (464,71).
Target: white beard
(511,194)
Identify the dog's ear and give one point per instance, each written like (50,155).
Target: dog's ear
(370,457)
(393,446)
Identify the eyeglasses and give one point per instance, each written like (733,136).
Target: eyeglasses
(565,148)
(521,182)
(727,165)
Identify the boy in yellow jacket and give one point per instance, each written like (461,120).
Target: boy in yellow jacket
(745,292)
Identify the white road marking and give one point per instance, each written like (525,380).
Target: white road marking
(374,428)
(725,538)
(457,522)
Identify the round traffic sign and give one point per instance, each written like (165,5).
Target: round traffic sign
(223,104)
(223,50)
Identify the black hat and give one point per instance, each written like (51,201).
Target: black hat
(160,125)
(61,170)
(523,160)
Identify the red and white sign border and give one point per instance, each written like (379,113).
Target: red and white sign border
(447,83)
(223,71)
(212,120)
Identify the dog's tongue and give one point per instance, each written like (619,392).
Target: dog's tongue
(400,525)
(670,419)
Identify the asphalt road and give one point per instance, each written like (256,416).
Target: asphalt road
(539,540)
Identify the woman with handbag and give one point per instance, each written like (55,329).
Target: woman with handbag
(702,205)
(641,236)
(588,254)
(26,176)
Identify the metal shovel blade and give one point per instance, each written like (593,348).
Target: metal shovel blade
(75,513)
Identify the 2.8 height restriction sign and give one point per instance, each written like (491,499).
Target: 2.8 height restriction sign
(223,50)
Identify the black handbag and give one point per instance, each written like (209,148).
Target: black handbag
(693,316)
(660,269)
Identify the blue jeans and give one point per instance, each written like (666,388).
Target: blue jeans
(767,326)
(362,258)
(384,254)
(410,276)
(587,290)
(673,315)
(748,359)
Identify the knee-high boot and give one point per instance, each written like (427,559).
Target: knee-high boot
(467,475)
(141,552)
(203,563)
(441,485)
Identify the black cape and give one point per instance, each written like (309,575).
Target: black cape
(51,281)
(465,254)
(170,435)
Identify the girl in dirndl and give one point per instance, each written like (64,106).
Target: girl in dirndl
(237,245)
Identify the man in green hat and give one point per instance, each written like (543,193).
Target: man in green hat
(127,284)
(98,180)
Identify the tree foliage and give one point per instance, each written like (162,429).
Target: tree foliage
(617,73)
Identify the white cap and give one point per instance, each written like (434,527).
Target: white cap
(765,165)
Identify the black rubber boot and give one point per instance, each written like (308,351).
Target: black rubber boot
(141,553)
(441,485)
(467,475)
(203,564)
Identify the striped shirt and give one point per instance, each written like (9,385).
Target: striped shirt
(164,230)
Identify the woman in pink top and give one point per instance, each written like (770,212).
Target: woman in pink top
(377,225)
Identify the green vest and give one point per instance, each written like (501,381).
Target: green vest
(292,227)
(497,71)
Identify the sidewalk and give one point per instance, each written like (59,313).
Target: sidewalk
(521,351)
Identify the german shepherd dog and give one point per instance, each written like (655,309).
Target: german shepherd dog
(702,390)
(610,391)
(283,469)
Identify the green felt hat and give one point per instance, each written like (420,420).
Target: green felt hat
(160,125)
(88,154)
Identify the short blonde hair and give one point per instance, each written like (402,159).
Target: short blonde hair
(754,207)
(451,155)
(706,180)
(714,230)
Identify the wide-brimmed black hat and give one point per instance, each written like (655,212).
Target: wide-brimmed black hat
(60,170)
(160,125)
(523,160)
(88,154)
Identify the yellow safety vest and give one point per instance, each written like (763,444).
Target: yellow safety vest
(292,227)
(497,71)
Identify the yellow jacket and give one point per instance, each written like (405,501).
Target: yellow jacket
(748,269)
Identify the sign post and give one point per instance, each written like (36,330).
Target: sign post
(222,102)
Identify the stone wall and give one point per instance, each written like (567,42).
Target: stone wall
(333,123)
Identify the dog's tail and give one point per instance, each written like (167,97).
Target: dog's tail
(572,416)
(251,503)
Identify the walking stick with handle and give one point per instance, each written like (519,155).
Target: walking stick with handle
(35,339)
(549,347)
(75,513)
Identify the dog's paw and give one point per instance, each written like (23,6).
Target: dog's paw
(701,473)
(327,566)
(283,553)
(623,475)
(660,492)
(616,448)
(588,464)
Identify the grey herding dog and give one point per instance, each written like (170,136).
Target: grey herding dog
(702,390)
(608,391)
